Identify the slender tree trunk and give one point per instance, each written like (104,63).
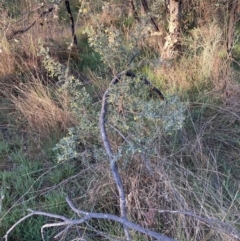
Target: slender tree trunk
(172,41)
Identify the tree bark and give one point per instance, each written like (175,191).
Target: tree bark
(172,41)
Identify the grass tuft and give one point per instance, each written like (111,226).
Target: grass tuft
(42,110)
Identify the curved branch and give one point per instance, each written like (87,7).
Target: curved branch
(11,35)
(123,221)
(86,216)
(113,165)
(147,82)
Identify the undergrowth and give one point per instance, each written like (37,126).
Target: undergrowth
(178,158)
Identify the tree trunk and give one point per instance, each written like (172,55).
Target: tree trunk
(172,41)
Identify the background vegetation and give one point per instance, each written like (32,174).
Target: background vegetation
(179,158)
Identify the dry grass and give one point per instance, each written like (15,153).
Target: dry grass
(97,84)
(7,59)
(202,66)
(190,188)
(43,109)
(36,104)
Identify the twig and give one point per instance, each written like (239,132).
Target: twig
(19,31)
(67,4)
(147,163)
(148,83)
(27,14)
(63,231)
(15,224)
(135,14)
(119,132)
(146,10)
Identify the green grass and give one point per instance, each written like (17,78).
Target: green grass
(29,183)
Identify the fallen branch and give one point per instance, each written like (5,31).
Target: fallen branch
(113,164)
(215,224)
(85,217)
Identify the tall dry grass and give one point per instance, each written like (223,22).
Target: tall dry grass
(202,66)
(42,108)
(34,99)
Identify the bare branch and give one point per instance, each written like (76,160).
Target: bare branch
(216,224)
(12,33)
(113,164)
(135,14)
(63,231)
(146,9)
(119,132)
(87,216)
(148,83)
(65,221)
(123,221)
(15,224)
